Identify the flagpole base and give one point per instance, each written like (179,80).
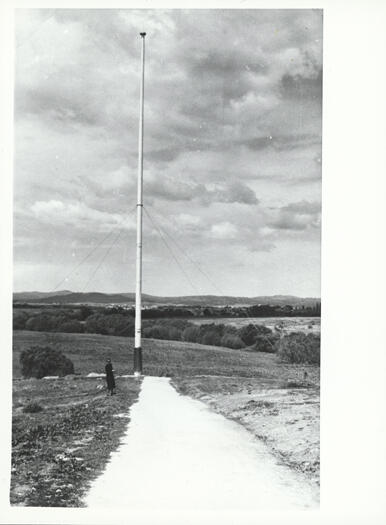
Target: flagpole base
(137,362)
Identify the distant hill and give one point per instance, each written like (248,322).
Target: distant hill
(27,296)
(67,297)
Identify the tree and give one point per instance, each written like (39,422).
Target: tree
(19,319)
(40,323)
(266,343)
(95,324)
(84,312)
(191,334)
(156,331)
(72,326)
(298,347)
(250,332)
(232,341)
(211,337)
(39,361)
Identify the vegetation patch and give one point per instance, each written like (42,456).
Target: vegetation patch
(41,361)
(58,451)
(32,408)
(300,348)
(120,322)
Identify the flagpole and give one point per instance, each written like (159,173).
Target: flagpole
(138,288)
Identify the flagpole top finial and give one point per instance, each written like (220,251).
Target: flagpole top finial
(142,34)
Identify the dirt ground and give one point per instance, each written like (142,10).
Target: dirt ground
(59,450)
(285,415)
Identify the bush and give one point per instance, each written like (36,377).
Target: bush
(191,334)
(39,361)
(211,337)
(174,334)
(19,319)
(300,348)
(40,323)
(266,343)
(250,333)
(73,327)
(112,324)
(96,324)
(157,331)
(232,341)
(32,408)
(83,312)
(230,330)
(119,324)
(180,324)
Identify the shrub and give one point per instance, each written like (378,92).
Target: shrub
(156,331)
(250,333)
(74,327)
(19,319)
(83,312)
(231,330)
(211,337)
(39,361)
(174,334)
(119,324)
(40,323)
(191,334)
(47,322)
(112,324)
(232,341)
(180,324)
(147,332)
(266,343)
(32,408)
(95,324)
(300,348)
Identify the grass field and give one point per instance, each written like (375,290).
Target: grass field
(161,358)
(58,451)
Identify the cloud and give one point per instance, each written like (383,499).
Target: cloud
(303,208)
(232,129)
(298,216)
(172,189)
(223,230)
(188,221)
(78,215)
(235,192)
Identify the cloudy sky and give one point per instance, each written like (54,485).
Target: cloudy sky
(232,168)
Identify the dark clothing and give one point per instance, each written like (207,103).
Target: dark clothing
(110,376)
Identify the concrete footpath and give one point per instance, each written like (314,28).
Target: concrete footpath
(178,455)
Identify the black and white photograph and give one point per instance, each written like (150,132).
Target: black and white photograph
(167,255)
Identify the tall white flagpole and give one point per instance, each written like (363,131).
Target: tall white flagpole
(138,288)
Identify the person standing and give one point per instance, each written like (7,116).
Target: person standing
(110,377)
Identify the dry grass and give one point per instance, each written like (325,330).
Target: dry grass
(57,451)
(88,352)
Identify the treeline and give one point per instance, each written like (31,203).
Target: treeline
(259,310)
(109,322)
(255,337)
(181,311)
(293,348)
